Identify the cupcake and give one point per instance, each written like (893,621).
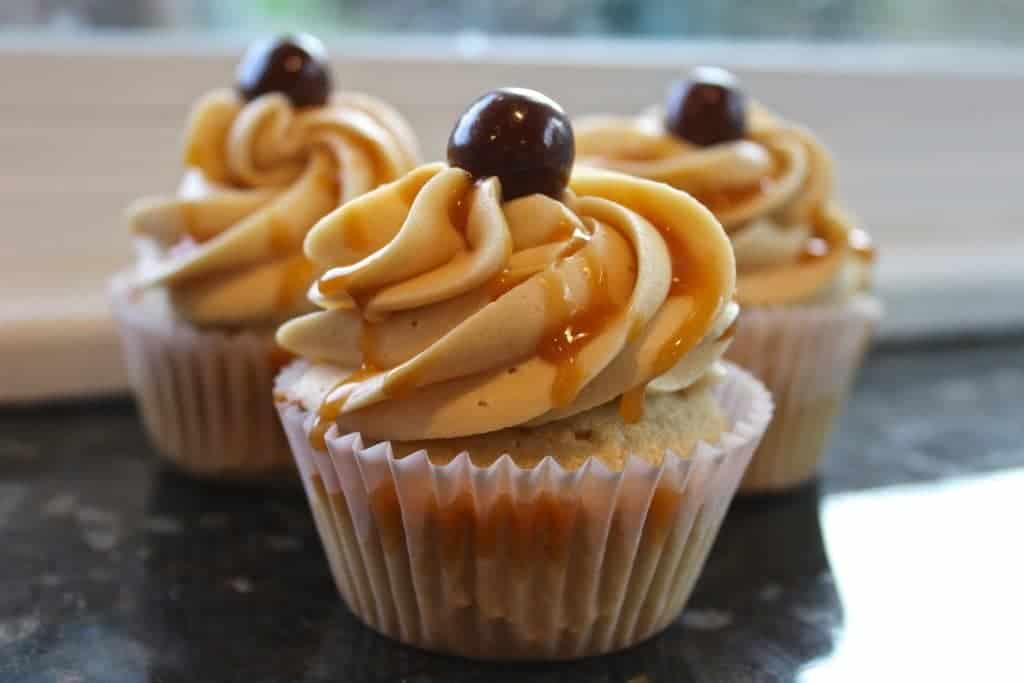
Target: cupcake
(509,414)
(220,263)
(803,265)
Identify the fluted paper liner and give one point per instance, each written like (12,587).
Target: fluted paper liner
(203,395)
(510,563)
(807,356)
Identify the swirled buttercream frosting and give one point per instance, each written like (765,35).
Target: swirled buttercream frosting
(768,181)
(261,172)
(447,311)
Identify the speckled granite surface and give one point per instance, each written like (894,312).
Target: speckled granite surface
(113,569)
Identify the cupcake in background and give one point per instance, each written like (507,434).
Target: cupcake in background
(220,262)
(803,265)
(509,415)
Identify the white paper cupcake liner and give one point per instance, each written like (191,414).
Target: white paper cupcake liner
(807,356)
(510,563)
(204,396)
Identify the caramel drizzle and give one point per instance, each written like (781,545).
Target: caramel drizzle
(334,401)
(569,332)
(689,278)
(507,280)
(631,405)
(332,405)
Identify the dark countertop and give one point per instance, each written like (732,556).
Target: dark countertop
(114,569)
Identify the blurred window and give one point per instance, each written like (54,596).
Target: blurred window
(946,21)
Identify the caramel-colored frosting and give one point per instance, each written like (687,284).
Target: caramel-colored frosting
(448,312)
(772,191)
(228,247)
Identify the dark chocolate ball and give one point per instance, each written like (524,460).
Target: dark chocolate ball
(707,108)
(295,66)
(521,136)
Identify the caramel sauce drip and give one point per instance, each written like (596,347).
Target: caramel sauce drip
(506,280)
(334,402)
(631,405)
(689,278)
(368,346)
(455,525)
(567,335)
(330,408)
(387,513)
(564,231)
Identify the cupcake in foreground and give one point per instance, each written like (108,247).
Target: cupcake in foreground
(220,263)
(803,267)
(510,416)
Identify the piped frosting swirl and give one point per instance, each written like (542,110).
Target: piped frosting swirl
(228,246)
(447,311)
(771,190)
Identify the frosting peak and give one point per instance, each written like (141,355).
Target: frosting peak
(449,312)
(261,173)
